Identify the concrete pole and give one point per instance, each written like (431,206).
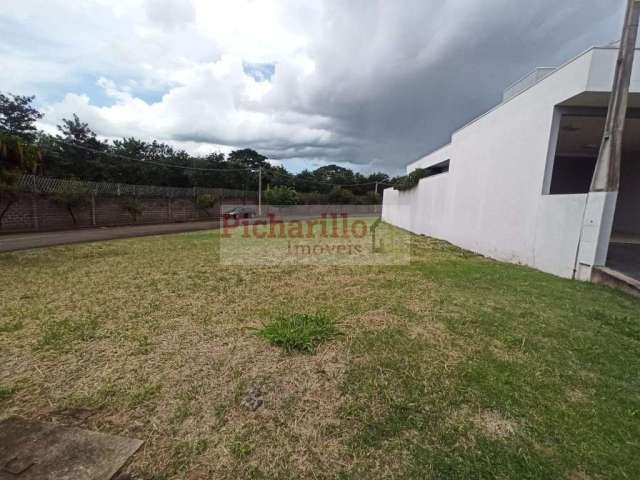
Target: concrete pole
(603,196)
(260,191)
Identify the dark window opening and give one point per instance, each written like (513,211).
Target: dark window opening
(437,169)
(579,139)
(577,150)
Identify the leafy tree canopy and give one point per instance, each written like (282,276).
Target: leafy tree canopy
(18,116)
(78,152)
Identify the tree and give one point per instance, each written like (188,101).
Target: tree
(373,198)
(18,116)
(8,191)
(72,195)
(134,208)
(206,202)
(16,157)
(77,132)
(281,195)
(248,158)
(341,196)
(79,152)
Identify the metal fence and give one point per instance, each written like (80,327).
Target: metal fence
(47,185)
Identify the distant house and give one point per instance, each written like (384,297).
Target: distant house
(513,183)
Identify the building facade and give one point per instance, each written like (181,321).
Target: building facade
(513,183)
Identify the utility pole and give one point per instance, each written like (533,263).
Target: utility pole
(603,196)
(259,191)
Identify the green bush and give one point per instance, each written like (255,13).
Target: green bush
(282,195)
(72,195)
(206,201)
(300,332)
(16,157)
(134,207)
(373,198)
(411,181)
(341,196)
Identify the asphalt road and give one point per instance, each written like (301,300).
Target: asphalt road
(24,241)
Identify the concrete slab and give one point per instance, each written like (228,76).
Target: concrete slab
(31,450)
(614,279)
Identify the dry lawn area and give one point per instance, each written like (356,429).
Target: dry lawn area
(453,366)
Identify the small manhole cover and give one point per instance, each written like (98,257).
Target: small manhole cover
(31,450)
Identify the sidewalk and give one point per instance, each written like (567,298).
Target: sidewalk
(23,241)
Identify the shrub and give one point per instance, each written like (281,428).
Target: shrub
(72,195)
(282,195)
(341,196)
(134,207)
(16,157)
(8,190)
(207,201)
(300,332)
(411,181)
(314,198)
(373,198)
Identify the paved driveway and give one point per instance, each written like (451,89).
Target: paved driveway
(23,241)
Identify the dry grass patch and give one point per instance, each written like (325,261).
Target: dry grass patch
(494,425)
(152,338)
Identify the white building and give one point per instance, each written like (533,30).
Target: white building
(513,183)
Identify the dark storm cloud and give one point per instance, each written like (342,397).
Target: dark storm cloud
(401,76)
(370,82)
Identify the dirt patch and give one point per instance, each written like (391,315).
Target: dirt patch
(578,475)
(575,395)
(494,425)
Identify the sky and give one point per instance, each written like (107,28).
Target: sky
(366,84)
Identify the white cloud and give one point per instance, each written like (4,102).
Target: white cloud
(360,82)
(170,13)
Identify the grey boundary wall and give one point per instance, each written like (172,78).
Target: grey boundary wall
(36,208)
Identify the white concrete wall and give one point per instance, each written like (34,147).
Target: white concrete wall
(491,200)
(558,227)
(423,210)
(437,156)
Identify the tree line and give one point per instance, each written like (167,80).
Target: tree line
(77,152)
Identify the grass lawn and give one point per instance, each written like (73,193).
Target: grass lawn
(453,366)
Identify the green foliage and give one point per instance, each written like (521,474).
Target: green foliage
(314,198)
(8,184)
(341,196)
(134,207)
(207,201)
(411,181)
(18,155)
(373,198)
(72,195)
(282,196)
(299,333)
(18,116)
(77,152)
